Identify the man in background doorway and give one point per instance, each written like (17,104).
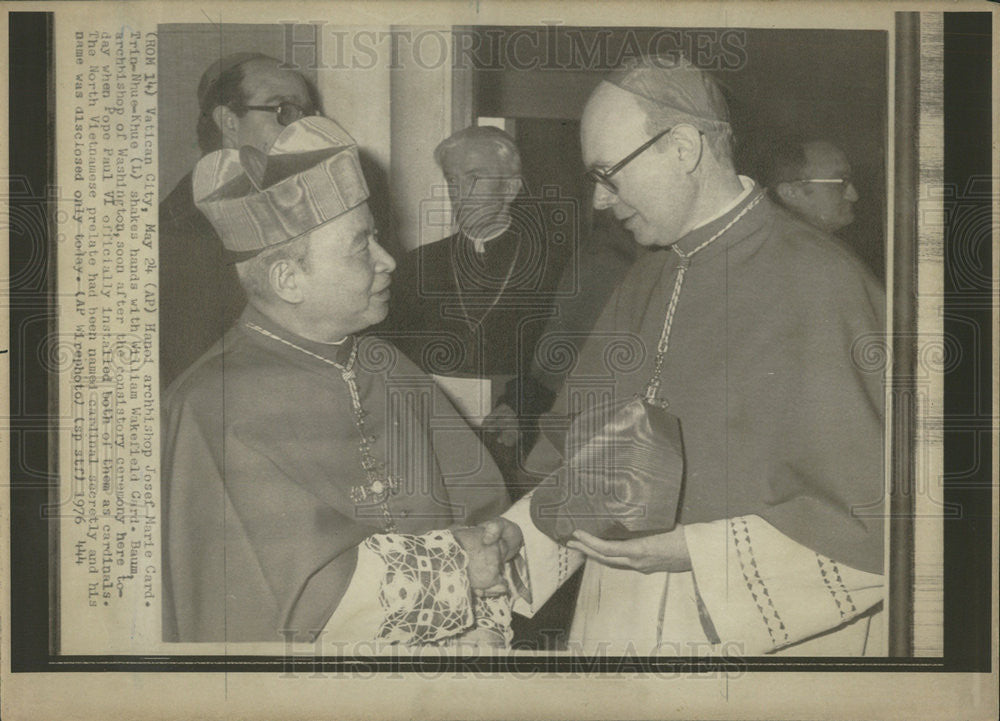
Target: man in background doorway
(812,179)
(469,308)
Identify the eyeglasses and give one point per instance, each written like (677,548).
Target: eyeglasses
(842,182)
(603,177)
(287,112)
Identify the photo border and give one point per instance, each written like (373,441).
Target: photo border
(968,562)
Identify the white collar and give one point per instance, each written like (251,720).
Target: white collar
(479,242)
(748,186)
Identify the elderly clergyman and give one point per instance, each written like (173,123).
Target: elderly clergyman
(471,306)
(472,285)
(779,541)
(310,478)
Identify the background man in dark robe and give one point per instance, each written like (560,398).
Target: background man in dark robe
(601,262)
(473,305)
(779,538)
(309,477)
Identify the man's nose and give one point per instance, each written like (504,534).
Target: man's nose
(384,263)
(851,194)
(603,197)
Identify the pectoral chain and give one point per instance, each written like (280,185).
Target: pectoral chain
(652,392)
(378,486)
(466,317)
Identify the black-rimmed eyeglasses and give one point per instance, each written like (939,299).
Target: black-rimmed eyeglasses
(603,177)
(287,112)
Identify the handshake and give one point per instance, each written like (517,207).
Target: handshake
(488,547)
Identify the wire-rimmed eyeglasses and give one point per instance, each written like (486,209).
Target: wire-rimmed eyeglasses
(844,183)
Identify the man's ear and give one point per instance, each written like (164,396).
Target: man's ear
(285,279)
(687,143)
(787,193)
(451,183)
(228,124)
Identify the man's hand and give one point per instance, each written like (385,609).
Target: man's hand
(503,421)
(506,533)
(485,561)
(649,554)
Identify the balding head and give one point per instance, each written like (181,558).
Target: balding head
(668,188)
(491,145)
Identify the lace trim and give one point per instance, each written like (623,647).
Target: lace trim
(493,617)
(425,593)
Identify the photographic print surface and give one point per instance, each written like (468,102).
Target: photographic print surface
(323,294)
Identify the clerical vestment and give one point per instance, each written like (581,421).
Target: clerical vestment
(276,488)
(773,368)
(468,310)
(200,295)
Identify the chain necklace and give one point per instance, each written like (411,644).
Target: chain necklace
(503,286)
(378,486)
(653,387)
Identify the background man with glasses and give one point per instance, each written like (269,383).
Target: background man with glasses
(751,321)
(244,99)
(812,179)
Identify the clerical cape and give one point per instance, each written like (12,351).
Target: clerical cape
(774,370)
(261,455)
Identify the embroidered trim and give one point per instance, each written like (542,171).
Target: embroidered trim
(755,584)
(841,596)
(562,560)
(424,593)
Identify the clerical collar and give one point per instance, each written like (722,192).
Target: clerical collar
(698,235)
(479,241)
(338,352)
(748,186)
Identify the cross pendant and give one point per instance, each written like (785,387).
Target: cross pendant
(376,491)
